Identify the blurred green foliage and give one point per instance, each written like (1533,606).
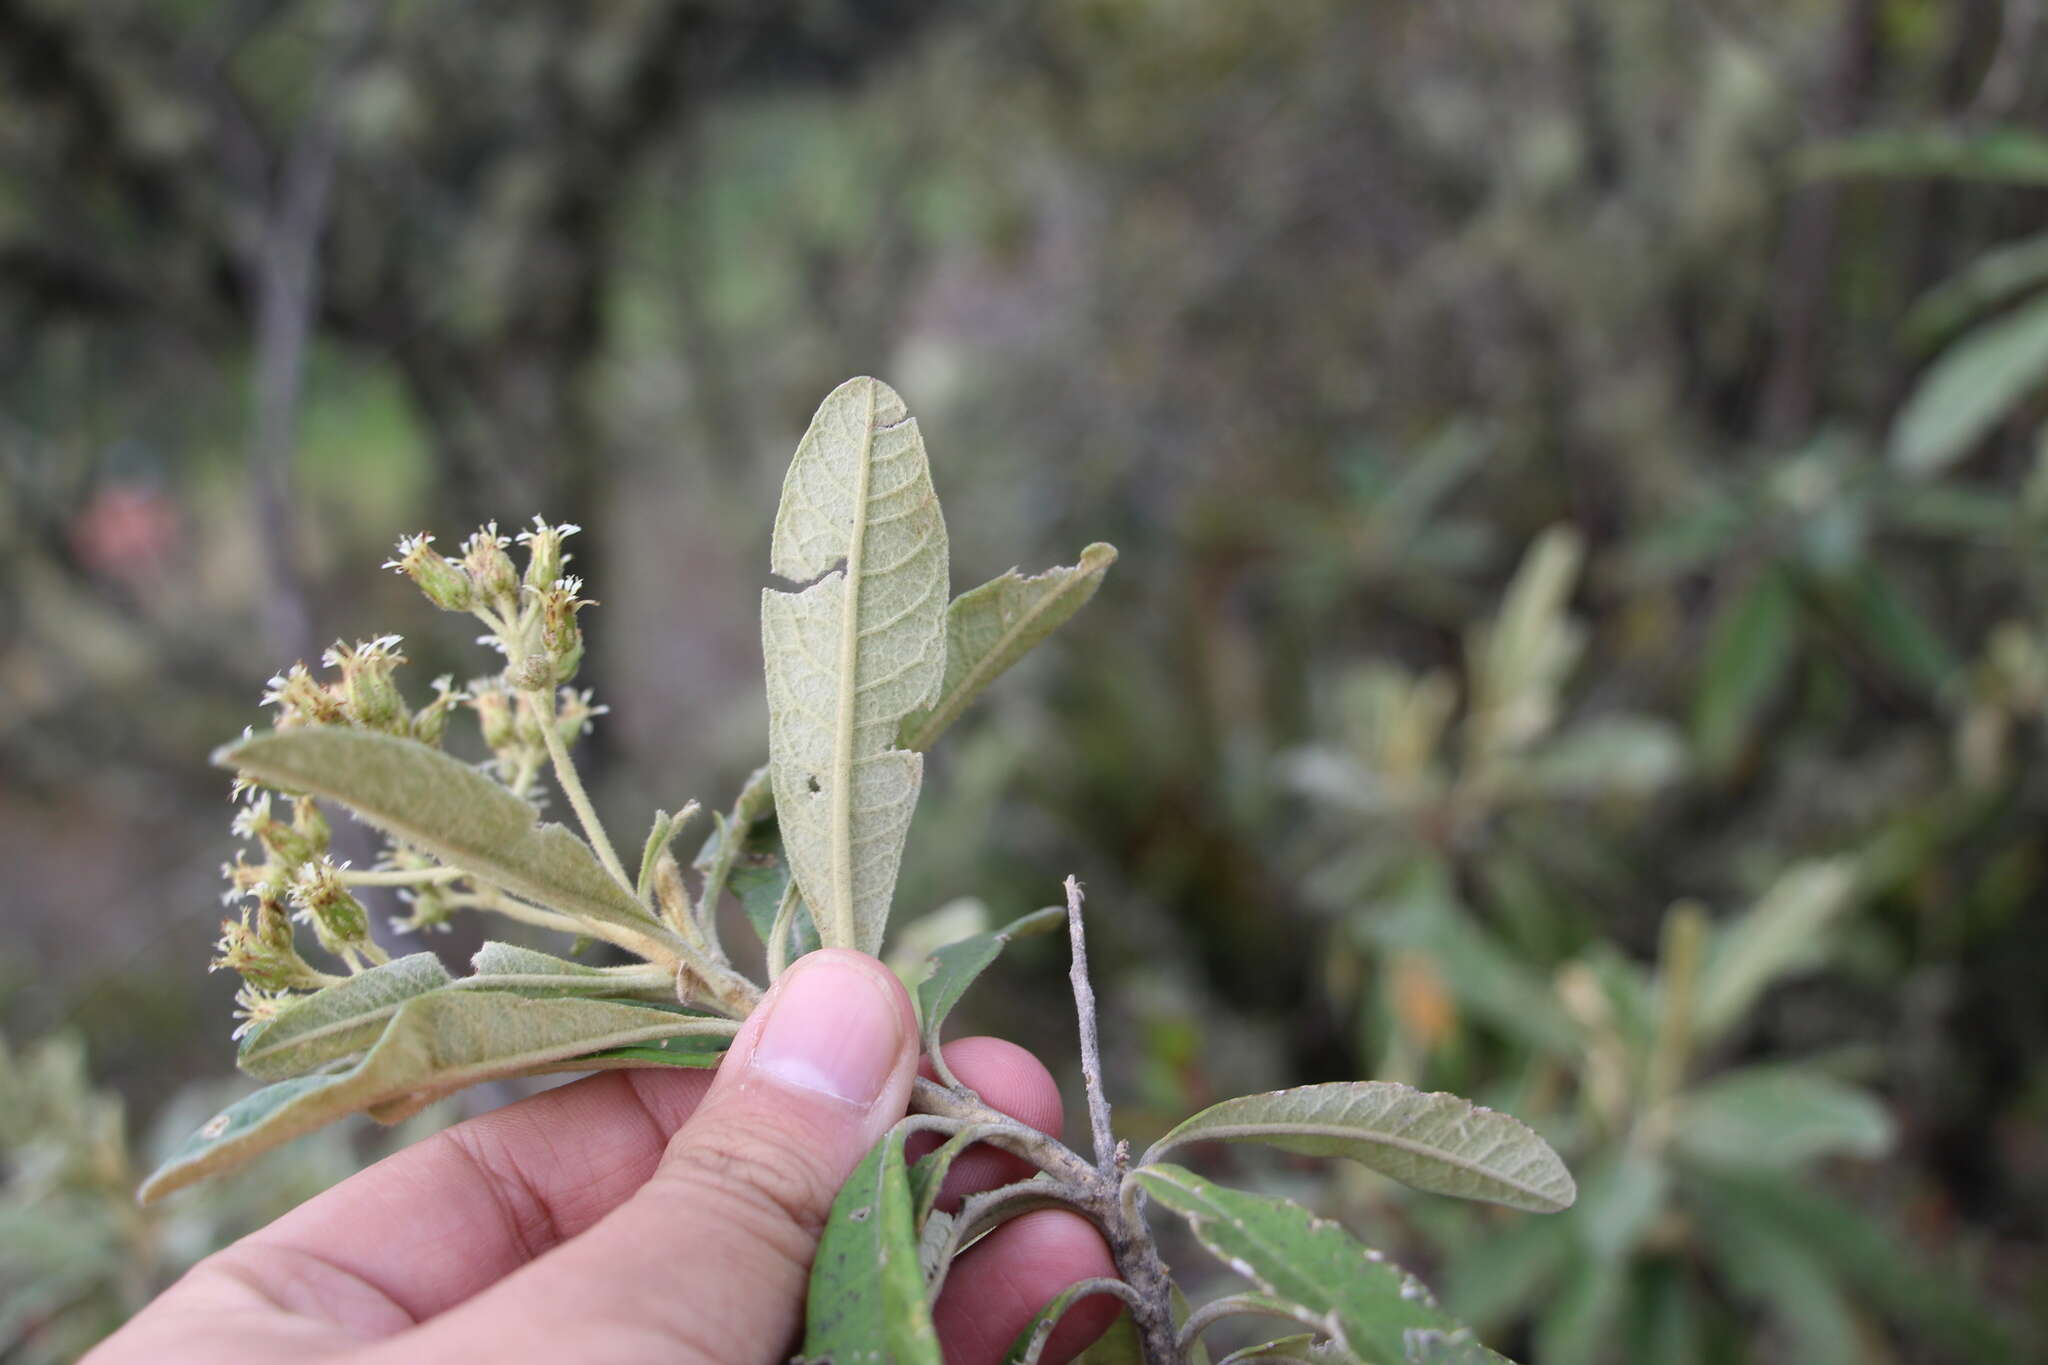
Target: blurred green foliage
(1572,458)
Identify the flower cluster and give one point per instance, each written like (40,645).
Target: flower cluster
(530,616)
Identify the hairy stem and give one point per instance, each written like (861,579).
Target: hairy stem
(1099,1190)
(1091,1048)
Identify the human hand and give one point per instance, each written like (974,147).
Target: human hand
(652,1215)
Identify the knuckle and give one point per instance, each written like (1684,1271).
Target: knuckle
(769,1182)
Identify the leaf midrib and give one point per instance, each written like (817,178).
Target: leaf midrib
(849,691)
(1227,1132)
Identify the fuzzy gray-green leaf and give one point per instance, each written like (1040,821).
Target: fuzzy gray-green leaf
(434,1044)
(524,971)
(991,627)
(867,1300)
(955,966)
(852,654)
(338,1021)
(1434,1142)
(448,809)
(1366,1304)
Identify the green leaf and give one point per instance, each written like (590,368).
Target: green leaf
(1368,1304)
(955,966)
(339,1021)
(2011,156)
(1613,755)
(1784,932)
(1434,1142)
(1492,982)
(854,653)
(1990,278)
(1937,1300)
(1446,1348)
(697,1051)
(867,1300)
(1971,388)
(1748,654)
(759,877)
(1899,632)
(1779,1116)
(433,1045)
(448,809)
(1299,1347)
(989,628)
(1796,1288)
(658,834)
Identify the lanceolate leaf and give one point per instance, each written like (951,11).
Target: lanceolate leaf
(852,654)
(338,1021)
(1367,1305)
(867,1300)
(1435,1142)
(1779,1116)
(991,627)
(1974,386)
(1784,932)
(447,808)
(955,966)
(434,1044)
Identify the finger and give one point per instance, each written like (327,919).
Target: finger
(708,1262)
(447,1217)
(995,1289)
(1009,1079)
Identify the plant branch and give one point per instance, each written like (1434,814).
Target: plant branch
(1091,1048)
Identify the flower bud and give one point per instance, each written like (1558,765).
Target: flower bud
(302,699)
(310,824)
(337,917)
(440,578)
(264,953)
(256,1007)
(430,722)
(285,844)
(494,714)
(371,696)
(490,569)
(429,910)
(574,712)
(544,557)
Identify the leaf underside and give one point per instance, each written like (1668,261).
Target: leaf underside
(1431,1141)
(853,653)
(446,808)
(433,1045)
(339,1021)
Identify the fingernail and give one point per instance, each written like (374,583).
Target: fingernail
(833,1027)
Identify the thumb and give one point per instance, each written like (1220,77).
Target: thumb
(708,1261)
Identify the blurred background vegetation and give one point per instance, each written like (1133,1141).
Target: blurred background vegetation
(1579,638)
